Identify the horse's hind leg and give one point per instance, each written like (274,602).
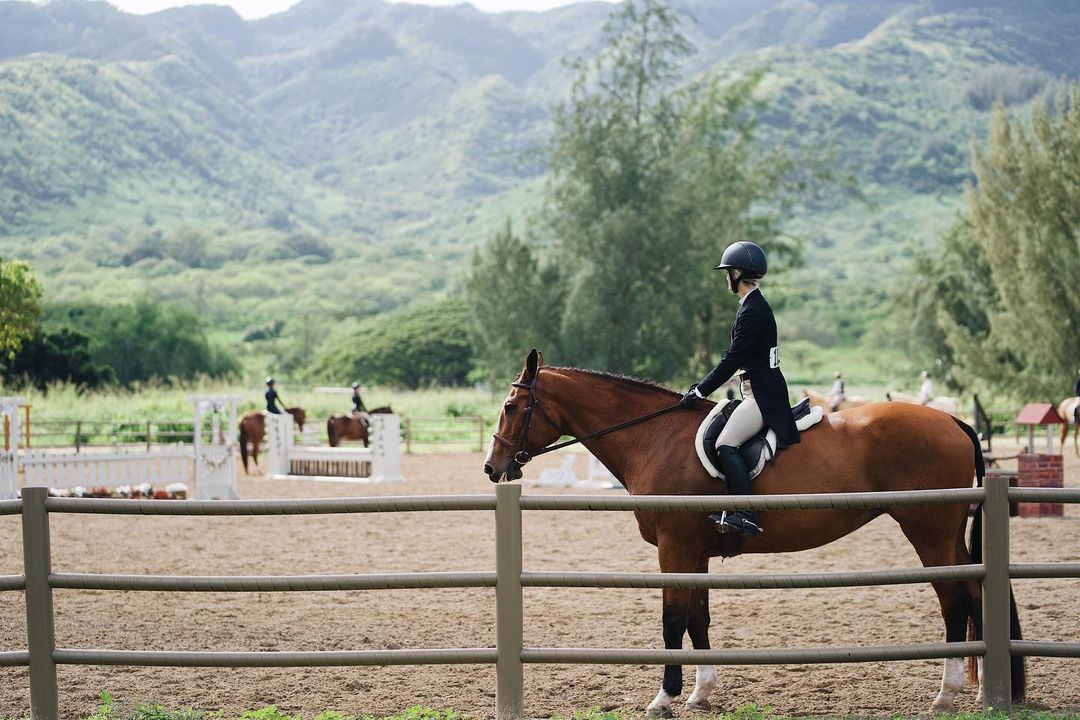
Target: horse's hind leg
(698,628)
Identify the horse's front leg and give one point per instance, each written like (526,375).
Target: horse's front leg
(676,555)
(698,628)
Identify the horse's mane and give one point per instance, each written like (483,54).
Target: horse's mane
(631,383)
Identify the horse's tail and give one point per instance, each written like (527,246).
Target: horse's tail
(330,432)
(1019,669)
(243,444)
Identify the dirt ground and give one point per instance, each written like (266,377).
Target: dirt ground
(1050,609)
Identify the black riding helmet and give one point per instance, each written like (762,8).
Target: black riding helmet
(745,256)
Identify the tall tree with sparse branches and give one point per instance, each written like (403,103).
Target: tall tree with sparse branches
(651,176)
(1002,299)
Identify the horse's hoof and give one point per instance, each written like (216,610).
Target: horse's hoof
(940,707)
(660,712)
(702,705)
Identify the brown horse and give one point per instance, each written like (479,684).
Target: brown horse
(351,427)
(253,430)
(880,447)
(1069,410)
(824,402)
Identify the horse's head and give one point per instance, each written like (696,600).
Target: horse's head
(524,426)
(298,416)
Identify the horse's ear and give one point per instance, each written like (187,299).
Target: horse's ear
(532,362)
(540,359)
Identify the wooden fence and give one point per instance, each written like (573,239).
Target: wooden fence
(509,578)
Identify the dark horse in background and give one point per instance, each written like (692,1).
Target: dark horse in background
(352,427)
(879,447)
(253,430)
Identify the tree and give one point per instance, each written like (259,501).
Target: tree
(52,357)
(516,304)
(146,340)
(650,179)
(411,348)
(20,305)
(1005,304)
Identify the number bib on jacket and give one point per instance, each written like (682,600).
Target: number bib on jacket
(774,357)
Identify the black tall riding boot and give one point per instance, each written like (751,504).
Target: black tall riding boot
(737,476)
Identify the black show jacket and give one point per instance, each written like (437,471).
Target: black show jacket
(754,350)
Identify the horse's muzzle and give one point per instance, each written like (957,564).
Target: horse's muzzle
(512,471)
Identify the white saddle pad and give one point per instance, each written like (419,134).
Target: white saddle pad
(768,451)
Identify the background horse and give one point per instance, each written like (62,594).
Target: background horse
(1069,410)
(253,430)
(879,447)
(943,403)
(824,402)
(351,427)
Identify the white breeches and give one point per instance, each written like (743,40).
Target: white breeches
(743,424)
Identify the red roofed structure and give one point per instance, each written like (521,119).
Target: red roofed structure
(1038,414)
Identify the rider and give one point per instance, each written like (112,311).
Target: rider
(357,401)
(926,390)
(836,395)
(272,398)
(754,349)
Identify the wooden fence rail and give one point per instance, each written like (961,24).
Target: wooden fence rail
(509,578)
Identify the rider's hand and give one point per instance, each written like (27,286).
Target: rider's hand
(691,397)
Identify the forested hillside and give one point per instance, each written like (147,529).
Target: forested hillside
(342,159)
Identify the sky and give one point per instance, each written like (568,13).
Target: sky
(261,8)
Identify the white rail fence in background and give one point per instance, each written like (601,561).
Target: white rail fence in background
(209,464)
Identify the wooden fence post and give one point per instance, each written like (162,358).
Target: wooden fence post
(78,435)
(147,436)
(408,436)
(997,681)
(509,671)
(40,633)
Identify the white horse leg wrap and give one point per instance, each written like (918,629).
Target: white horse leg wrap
(705,684)
(979,699)
(952,680)
(662,703)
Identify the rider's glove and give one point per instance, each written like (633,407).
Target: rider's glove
(691,397)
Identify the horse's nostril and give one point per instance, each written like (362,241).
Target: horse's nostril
(488,469)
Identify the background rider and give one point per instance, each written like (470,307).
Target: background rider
(272,398)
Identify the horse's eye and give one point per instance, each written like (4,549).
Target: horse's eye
(509,408)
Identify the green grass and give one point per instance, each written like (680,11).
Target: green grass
(109,709)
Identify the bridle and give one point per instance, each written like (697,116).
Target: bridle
(522,455)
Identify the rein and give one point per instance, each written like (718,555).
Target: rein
(522,456)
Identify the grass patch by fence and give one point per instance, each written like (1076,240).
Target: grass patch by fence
(109,709)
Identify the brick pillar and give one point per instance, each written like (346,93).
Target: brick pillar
(1045,471)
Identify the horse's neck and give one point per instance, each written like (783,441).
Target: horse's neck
(589,403)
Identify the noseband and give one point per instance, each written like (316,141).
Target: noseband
(522,456)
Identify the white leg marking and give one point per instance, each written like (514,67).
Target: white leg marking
(703,687)
(661,706)
(952,680)
(979,701)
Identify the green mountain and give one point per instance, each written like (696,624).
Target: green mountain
(342,158)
